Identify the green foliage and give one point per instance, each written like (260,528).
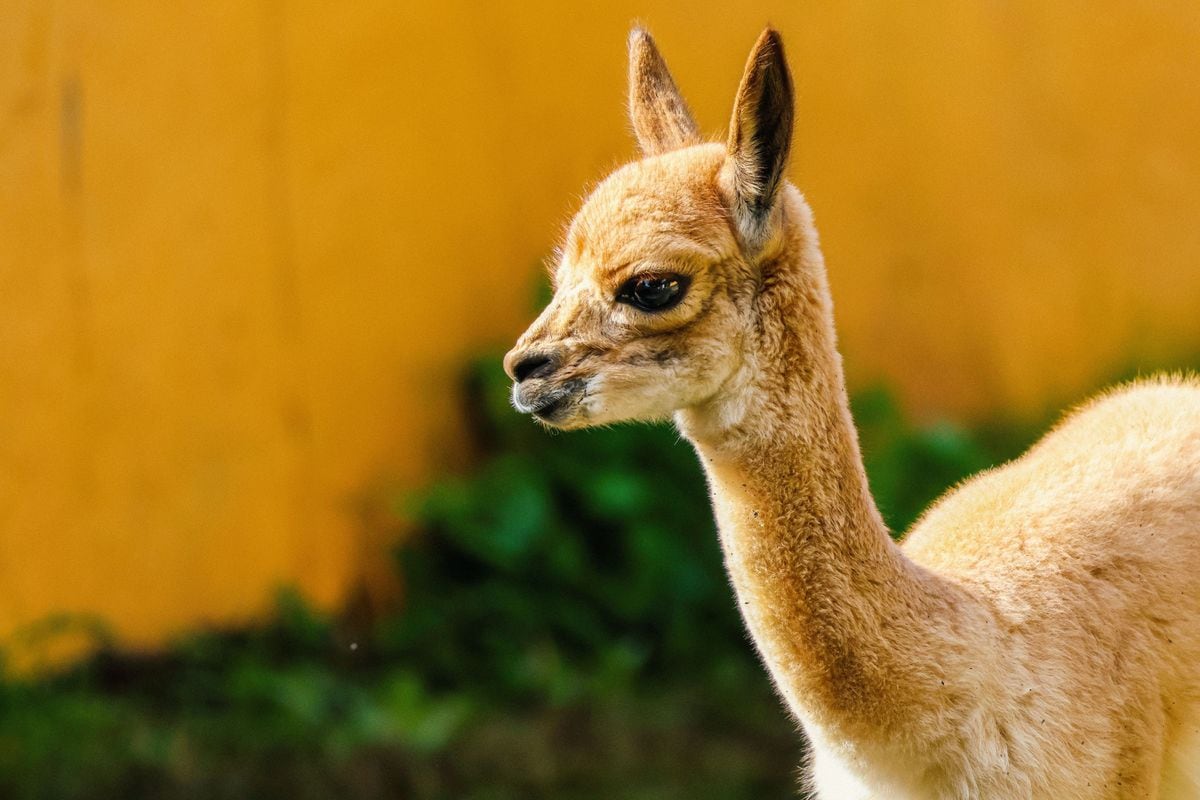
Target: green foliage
(568,632)
(596,551)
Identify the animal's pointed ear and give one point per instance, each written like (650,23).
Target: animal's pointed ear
(660,117)
(760,136)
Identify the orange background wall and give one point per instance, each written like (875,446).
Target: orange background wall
(246,247)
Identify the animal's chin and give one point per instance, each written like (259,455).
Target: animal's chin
(554,412)
(556,406)
(567,422)
(580,404)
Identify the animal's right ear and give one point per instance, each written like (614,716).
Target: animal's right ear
(660,117)
(760,137)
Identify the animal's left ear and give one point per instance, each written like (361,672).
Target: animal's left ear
(661,119)
(760,137)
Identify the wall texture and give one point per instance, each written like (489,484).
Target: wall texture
(245,247)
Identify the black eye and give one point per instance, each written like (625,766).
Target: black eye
(653,292)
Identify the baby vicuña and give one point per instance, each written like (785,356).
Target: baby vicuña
(1037,635)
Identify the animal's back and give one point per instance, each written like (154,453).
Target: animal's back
(1088,549)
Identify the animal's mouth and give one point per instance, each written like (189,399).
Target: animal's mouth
(548,406)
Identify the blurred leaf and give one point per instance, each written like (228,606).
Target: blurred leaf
(568,631)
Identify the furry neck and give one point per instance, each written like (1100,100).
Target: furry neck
(847,625)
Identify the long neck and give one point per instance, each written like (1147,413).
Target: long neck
(842,618)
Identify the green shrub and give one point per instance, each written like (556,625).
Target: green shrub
(568,631)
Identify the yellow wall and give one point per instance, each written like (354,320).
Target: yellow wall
(245,247)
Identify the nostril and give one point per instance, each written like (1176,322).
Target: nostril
(538,365)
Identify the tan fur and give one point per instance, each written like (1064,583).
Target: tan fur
(1038,633)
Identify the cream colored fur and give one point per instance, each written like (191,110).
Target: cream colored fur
(1037,635)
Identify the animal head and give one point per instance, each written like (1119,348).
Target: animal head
(654,288)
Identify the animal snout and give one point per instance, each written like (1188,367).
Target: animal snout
(521,366)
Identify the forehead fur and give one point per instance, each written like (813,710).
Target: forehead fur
(664,205)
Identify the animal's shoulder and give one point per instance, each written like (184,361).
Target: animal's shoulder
(1135,416)
(1129,456)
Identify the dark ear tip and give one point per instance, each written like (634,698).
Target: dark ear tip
(770,43)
